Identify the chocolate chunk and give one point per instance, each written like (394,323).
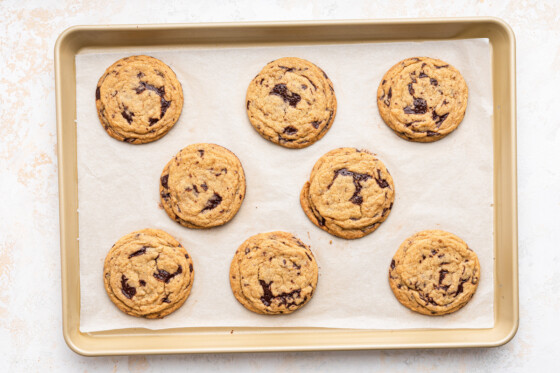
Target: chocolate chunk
(383,82)
(442,274)
(288,69)
(164,180)
(431,133)
(419,107)
(129,140)
(422,75)
(165,300)
(380,181)
(393,264)
(201,153)
(357,178)
(190,267)
(142,251)
(127,115)
(186,255)
(195,189)
(439,119)
(287,299)
(213,202)
(127,290)
(282,91)
(163,275)
(314,86)
(152,121)
(385,209)
(309,257)
(204,186)
(439,67)
(410,89)
(433,82)
(247,250)
(315,124)
(389,95)
(164,106)
(140,75)
(142,283)
(97,93)
(290,130)
(303,86)
(324,74)
(248,102)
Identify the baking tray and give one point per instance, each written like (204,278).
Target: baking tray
(198,340)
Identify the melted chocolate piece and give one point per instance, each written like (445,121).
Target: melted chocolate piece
(127,290)
(442,274)
(282,91)
(142,283)
(389,95)
(129,140)
(357,179)
(159,91)
(393,264)
(190,267)
(164,180)
(152,121)
(440,67)
(290,130)
(248,102)
(127,114)
(439,119)
(433,82)
(385,209)
(381,182)
(213,202)
(166,300)
(268,296)
(163,275)
(140,75)
(204,186)
(288,69)
(419,107)
(195,189)
(142,251)
(423,75)
(97,93)
(201,153)
(315,124)
(431,133)
(314,86)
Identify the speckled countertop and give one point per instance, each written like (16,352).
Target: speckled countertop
(30,301)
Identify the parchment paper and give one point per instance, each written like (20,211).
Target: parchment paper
(443,185)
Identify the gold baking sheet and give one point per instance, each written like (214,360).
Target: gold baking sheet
(185,340)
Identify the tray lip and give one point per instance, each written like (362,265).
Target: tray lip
(74,338)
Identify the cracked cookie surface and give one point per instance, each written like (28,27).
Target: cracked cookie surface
(434,273)
(203,186)
(349,193)
(273,273)
(148,274)
(422,99)
(291,102)
(138,99)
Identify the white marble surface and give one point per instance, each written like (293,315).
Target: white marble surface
(30,304)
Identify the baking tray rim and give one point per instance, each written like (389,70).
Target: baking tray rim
(89,344)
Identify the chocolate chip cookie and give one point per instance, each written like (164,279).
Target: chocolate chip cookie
(434,273)
(203,186)
(148,274)
(291,102)
(273,273)
(422,99)
(138,99)
(349,193)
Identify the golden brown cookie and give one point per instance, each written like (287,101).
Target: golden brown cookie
(148,274)
(273,273)
(203,186)
(349,193)
(291,102)
(422,99)
(138,99)
(434,273)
